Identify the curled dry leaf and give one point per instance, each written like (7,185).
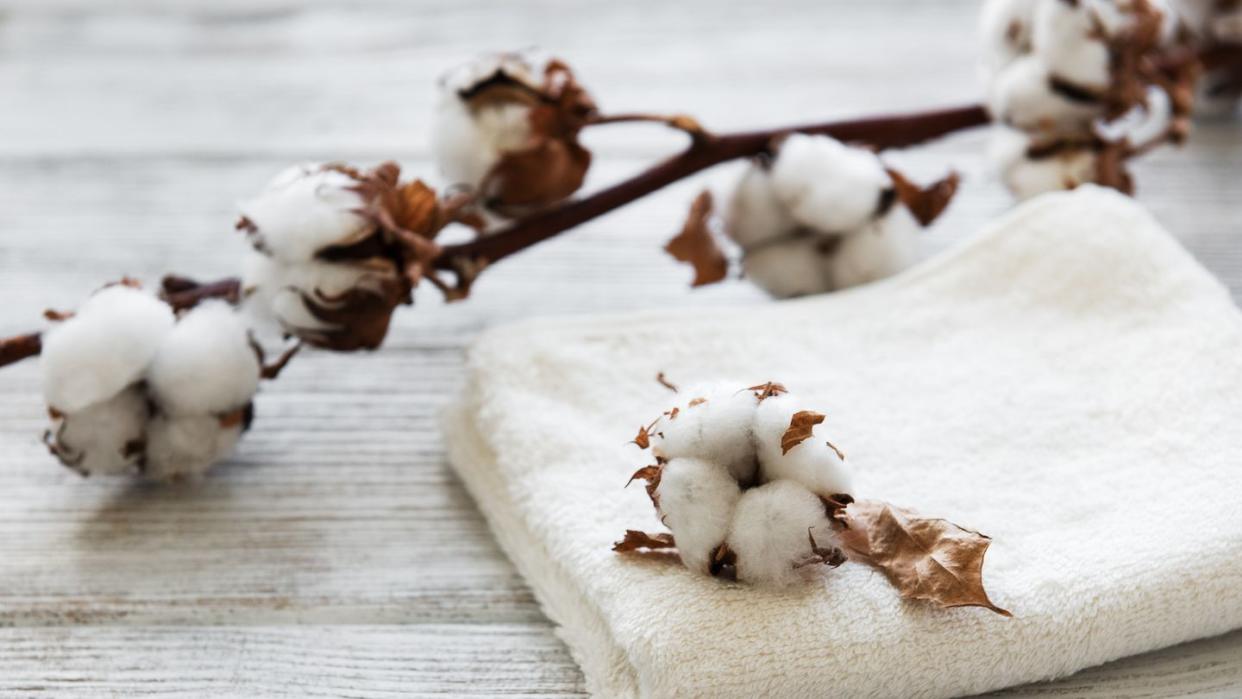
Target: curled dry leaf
(926,559)
(800,427)
(764,391)
(643,440)
(925,203)
(635,540)
(835,507)
(650,474)
(663,381)
(696,245)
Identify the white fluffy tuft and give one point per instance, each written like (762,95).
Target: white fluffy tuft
(206,364)
(304,209)
(1064,38)
(184,447)
(1027,177)
(812,464)
(770,530)
(1005,26)
(103,348)
(1022,96)
(827,185)
(880,248)
(104,438)
(696,503)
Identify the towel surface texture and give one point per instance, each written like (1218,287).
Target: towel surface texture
(1067,382)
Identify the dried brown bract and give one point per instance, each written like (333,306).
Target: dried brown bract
(697,246)
(635,540)
(800,427)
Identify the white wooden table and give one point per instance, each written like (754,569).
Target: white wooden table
(336,554)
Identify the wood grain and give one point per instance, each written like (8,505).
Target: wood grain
(335,554)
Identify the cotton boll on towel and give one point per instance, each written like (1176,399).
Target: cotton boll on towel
(728,444)
(823,216)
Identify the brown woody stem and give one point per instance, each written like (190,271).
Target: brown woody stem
(882,132)
(15,349)
(182,293)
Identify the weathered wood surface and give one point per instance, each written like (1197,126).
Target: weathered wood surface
(336,554)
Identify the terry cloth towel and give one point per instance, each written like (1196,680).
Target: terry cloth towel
(1066,382)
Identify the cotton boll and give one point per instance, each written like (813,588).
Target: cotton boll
(1064,39)
(274,291)
(206,364)
(812,463)
(304,209)
(1022,96)
(103,348)
(468,142)
(769,533)
(105,438)
(1142,123)
(696,502)
(879,249)
(827,185)
(716,428)
(186,446)
(1027,177)
(1005,26)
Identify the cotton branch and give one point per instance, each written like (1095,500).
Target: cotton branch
(892,131)
(15,349)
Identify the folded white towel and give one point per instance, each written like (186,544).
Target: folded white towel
(1067,383)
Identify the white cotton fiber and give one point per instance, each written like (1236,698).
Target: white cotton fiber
(827,185)
(1021,95)
(104,438)
(696,503)
(103,348)
(467,143)
(304,209)
(879,249)
(274,290)
(206,364)
(184,447)
(755,215)
(1027,177)
(813,463)
(1142,123)
(1005,27)
(717,428)
(769,533)
(794,267)
(1064,38)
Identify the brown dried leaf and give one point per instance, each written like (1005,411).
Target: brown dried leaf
(665,382)
(696,401)
(650,474)
(925,203)
(643,440)
(696,245)
(835,507)
(926,559)
(830,556)
(536,176)
(799,430)
(358,317)
(635,540)
(764,391)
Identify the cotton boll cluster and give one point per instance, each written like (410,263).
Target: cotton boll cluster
(507,127)
(821,215)
(1077,88)
(747,483)
(336,250)
(132,389)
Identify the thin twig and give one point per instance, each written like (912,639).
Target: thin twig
(182,293)
(882,132)
(15,349)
